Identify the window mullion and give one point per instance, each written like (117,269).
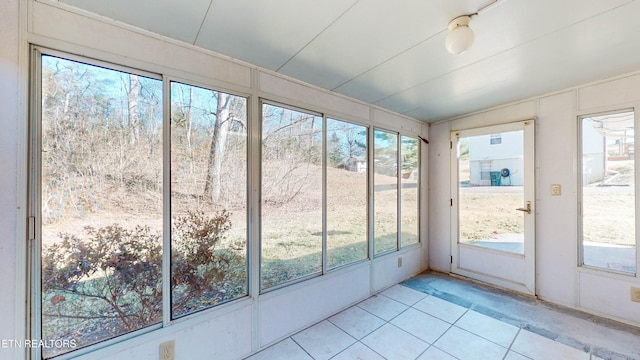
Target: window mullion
(399,196)
(35,202)
(324,194)
(636,122)
(166,202)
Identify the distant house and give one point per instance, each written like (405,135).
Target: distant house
(604,139)
(356,165)
(496,159)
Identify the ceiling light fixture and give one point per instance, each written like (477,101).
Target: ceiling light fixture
(460,37)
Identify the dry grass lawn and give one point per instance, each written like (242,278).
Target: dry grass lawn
(608,208)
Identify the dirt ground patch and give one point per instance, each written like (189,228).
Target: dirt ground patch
(608,208)
(486,212)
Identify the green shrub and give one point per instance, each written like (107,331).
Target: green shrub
(110,282)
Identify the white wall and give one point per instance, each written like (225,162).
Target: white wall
(230,331)
(593,153)
(9,140)
(558,277)
(510,146)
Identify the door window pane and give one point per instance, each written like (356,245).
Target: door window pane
(208,198)
(608,192)
(291,195)
(490,189)
(385,191)
(101,203)
(410,177)
(346,193)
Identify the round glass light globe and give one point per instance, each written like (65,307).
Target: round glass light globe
(459,39)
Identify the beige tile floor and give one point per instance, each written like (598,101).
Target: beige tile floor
(403,323)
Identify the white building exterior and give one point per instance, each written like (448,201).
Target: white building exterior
(490,154)
(593,150)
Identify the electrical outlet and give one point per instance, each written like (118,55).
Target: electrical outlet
(556,190)
(168,350)
(635,294)
(399,261)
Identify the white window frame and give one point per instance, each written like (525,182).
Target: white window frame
(34,253)
(419,190)
(579,172)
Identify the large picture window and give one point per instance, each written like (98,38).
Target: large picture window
(346,193)
(100,201)
(410,179)
(292,196)
(396,191)
(608,222)
(208,198)
(298,215)
(385,195)
(139,199)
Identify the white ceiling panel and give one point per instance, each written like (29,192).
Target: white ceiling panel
(392,53)
(267,33)
(587,51)
(430,60)
(170,18)
(424,62)
(368,34)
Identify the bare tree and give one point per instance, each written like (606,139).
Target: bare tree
(133,115)
(223,120)
(91,132)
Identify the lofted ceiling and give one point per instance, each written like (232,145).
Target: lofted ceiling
(392,54)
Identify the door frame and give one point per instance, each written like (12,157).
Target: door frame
(528,285)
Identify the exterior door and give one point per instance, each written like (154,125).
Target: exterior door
(493,205)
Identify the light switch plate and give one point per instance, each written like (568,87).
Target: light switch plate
(556,190)
(635,294)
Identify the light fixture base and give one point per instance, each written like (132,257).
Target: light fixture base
(463,20)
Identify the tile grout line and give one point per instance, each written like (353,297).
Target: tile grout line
(409,305)
(386,322)
(454,324)
(444,332)
(370,313)
(425,350)
(451,325)
(403,330)
(369,333)
(358,305)
(487,339)
(344,331)
(331,323)
(523,324)
(365,345)
(301,347)
(511,345)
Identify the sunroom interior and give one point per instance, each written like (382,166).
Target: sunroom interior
(206,180)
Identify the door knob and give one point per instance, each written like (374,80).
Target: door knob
(527,209)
